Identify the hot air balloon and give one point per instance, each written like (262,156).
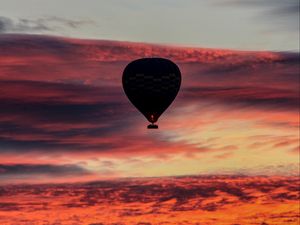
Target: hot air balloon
(151,84)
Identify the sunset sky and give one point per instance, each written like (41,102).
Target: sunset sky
(64,116)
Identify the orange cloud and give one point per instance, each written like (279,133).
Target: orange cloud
(177,200)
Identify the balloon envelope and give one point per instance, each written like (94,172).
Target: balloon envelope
(151,84)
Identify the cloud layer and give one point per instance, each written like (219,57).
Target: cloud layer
(174,200)
(62,101)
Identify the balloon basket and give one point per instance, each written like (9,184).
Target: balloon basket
(152,126)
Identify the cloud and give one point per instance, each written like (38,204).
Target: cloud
(67,22)
(44,58)
(37,173)
(53,170)
(282,7)
(224,155)
(40,25)
(63,98)
(71,118)
(174,199)
(23,25)
(14,173)
(285,13)
(51,115)
(291,169)
(295,150)
(247,96)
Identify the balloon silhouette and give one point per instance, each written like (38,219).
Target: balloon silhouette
(151,84)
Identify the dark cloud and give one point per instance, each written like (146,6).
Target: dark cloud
(24,146)
(43,115)
(273,70)
(245,96)
(46,169)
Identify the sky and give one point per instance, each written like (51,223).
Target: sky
(233,24)
(64,116)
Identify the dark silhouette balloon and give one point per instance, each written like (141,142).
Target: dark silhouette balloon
(151,84)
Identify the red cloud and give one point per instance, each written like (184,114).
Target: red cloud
(63,96)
